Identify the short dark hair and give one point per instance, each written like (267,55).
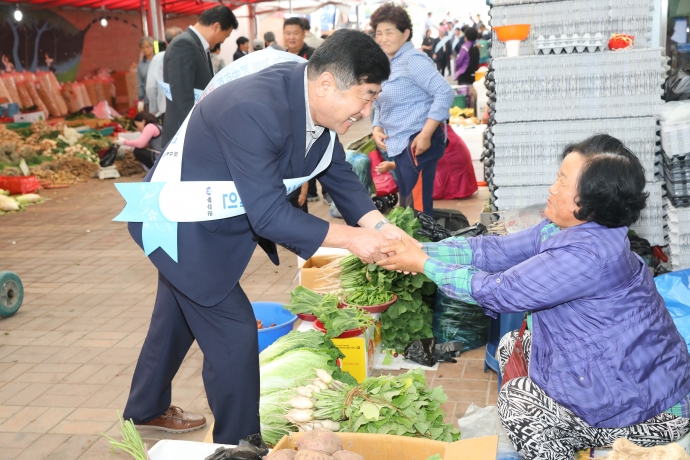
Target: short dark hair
(610,189)
(221,14)
(146,117)
(396,15)
(295,21)
(464,28)
(471,34)
(269,37)
(307,24)
(242,41)
(352,57)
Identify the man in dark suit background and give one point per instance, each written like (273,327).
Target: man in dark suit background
(242,48)
(255,131)
(187,63)
(443,49)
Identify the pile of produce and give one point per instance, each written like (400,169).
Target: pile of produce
(397,405)
(129,166)
(325,307)
(464,117)
(410,317)
(17,203)
(316,445)
(290,362)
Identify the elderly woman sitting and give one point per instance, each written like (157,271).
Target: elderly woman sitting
(605,359)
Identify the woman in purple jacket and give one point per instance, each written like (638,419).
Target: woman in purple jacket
(605,359)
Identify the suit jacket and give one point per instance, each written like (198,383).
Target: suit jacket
(253,131)
(443,55)
(238,54)
(185,67)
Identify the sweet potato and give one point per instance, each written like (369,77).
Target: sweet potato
(320,441)
(347,455)
(282,454)
(311,455)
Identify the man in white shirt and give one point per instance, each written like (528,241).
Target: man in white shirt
(310,39)
(429,24)
(154,92)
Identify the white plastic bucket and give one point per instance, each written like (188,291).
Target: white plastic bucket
(513,48)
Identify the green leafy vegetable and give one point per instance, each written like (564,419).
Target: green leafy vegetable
(303,300)
(292,369)
(338,320)
(295,340)
(131,440)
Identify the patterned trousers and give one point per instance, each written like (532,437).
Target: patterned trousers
(540,428)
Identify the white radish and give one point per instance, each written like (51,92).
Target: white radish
(28,198)
(301,415)
(320,384)
(324,376)
(305,391)
(314,388)
(301,402)
(329,425)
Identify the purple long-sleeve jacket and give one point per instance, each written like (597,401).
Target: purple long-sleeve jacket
(603,342)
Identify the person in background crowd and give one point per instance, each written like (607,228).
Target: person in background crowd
(411,108)
(467,62)
(293,36)
(242,48)
(257,44)
(429,24)
(309,38)
(148,147)
(154,92)
(478,23)
(300,200)
(216,59)
(187,64)
(484,33)
(146,48)
(605,359)
(442,51)
(270,41)
(427,42)
(457,39)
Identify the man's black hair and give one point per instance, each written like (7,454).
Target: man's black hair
(610,189)
(353,57)
(221,14)
(307,24)
(295,21)
(242,41)
(471,34)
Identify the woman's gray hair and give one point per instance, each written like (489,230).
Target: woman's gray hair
(145,39)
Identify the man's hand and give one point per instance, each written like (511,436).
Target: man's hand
(385,166)
(379,138)
(367,244)
(408,257)
(420,144)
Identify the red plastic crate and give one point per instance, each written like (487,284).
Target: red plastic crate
(18,185)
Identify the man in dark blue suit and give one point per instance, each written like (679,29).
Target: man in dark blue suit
(255,131)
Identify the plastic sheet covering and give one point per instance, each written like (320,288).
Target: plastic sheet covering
(674,287)
(456,321)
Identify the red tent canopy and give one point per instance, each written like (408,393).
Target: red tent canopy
(183,7)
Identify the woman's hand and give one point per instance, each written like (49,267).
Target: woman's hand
(385,166)
(420,144)
(408,257)
(379,138)
(302,198)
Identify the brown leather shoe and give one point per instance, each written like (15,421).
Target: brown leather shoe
(175,420)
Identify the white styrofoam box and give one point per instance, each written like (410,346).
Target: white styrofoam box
(573,17)
(478,170)
(675,138)
(29,117)
(129,136)
(473,137)
(626,83)
(171,449)
(684,442)
(530,153)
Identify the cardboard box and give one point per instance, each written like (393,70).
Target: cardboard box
(389,447)
(126,90)
(359,351)
(311,270)
(31,117)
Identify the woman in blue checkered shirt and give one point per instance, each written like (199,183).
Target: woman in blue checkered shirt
(411,109)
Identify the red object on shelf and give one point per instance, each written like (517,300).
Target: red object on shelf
(318,325)
(376,308)
(19,185)
(621,41)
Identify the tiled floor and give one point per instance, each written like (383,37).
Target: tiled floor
(67,356)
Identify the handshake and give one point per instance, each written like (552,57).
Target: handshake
(390,248)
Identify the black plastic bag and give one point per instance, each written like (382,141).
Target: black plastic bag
(475,230)
(456,321)
(421,352)
(677,86)
(446,352)
(108,157)
(252,447)
(431,228)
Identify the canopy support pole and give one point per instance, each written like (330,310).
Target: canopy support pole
(144,20)
(153,11)
(290,6)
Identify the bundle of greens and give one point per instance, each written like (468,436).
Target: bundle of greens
(404,219)
(398,405)
(131,443)
(367,296)
(338,320)
(303,300)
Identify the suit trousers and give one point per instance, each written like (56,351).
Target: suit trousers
(408,173)
(227,336)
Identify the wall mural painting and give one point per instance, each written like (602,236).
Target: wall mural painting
(43,40)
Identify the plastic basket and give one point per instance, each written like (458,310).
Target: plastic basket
(19,185)
(459,101)
(272,313)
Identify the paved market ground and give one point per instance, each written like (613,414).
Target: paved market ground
(68,355)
